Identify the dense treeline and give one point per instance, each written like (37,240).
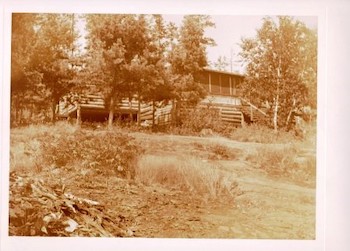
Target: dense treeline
(144,57)
(127,56)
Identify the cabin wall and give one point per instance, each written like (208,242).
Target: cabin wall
(217,83)
(222,88)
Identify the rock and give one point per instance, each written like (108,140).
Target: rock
(72,225)
(205,132)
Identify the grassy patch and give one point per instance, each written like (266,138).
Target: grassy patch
(285,162)
(261,134)
(216,151)
(63,146)
(188,174)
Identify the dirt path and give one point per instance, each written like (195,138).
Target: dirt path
(269,207)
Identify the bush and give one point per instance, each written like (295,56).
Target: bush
(217,151)
(25,150)
(104,151)
(261,134)
(285,162)
(194,120)
(190,175)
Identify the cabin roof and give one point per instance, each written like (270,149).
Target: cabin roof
(223,72)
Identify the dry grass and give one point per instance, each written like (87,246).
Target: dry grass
(25,148)
(65,146)
(215,151)
(261,134)
(188,174)
(286,162)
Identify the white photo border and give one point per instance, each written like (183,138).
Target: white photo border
(295,8)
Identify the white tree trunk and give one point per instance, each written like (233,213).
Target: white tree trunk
(78,122)
(111,113)
(275,114)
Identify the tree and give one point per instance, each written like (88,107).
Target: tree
(156,75)
(120,41)
(130,52)
(281,67)
(140,57)
(51,54)
(188,58)
(21,76)
(221,64)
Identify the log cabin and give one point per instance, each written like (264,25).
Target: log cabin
(223,93)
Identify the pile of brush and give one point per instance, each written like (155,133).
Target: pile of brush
(40,209)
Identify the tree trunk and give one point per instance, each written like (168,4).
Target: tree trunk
(78,122)
(111,113)
(290,112)
(275,114)
(53,111)
(177,112)
(14,120)
(20,115)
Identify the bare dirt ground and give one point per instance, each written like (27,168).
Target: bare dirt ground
(265,206)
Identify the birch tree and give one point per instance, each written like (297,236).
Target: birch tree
(281,67)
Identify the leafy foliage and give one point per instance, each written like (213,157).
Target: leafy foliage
(105,152)
(188,57)
(221,64)
(41,71)
(52,53)
(281,67)
(194,120)
(22,78)
(130,51)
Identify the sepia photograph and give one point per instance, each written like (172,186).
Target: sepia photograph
(176,125)
(163,126)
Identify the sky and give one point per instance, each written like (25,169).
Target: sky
(228,33)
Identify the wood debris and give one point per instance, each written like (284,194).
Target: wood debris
(40,209)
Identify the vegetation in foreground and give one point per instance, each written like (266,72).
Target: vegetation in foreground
(87,159)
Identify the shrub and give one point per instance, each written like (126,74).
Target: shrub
(25,150)
(261,134)
(189,174)
(104,151)
(194,120)
(285,162)
(217,151)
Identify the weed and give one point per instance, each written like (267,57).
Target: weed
(217,151)
(63,145)
(261,134)
(103,152)
(221,152)
(190,175)
(285,163)
(194,120)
